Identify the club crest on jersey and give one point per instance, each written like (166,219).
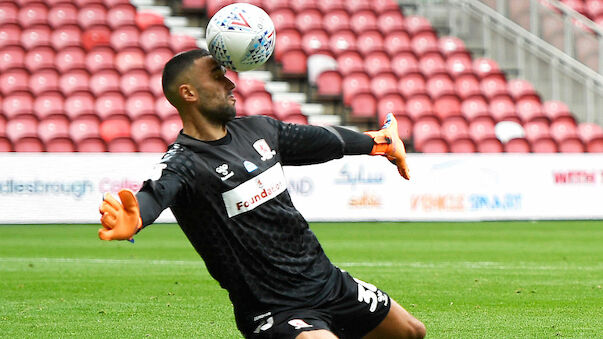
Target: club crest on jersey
(298,323)
(223,170)
(249,166)
(261,146)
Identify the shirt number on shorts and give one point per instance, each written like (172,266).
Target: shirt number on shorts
(369,294)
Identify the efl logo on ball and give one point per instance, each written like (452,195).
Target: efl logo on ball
(241,36)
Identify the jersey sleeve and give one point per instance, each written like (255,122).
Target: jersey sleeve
(173,185)
(306,144)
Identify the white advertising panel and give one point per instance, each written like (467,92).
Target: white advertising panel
(68,188)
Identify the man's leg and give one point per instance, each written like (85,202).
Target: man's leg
(397,324)
(316,334)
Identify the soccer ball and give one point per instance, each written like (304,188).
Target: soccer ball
(241,36)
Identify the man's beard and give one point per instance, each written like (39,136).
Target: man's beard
(220,115)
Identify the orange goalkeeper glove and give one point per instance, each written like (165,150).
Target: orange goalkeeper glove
(120,222)
(388,144)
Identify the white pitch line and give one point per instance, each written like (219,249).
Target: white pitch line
(420,265)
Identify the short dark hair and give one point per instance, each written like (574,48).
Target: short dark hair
(178,63)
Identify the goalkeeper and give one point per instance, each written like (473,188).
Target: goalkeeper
(223,181)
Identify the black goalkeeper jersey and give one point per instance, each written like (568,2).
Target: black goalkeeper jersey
(230,198)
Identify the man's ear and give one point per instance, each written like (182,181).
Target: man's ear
(187,92)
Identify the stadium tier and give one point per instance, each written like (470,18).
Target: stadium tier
(85,76)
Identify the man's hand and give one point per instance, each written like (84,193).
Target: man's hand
(388,144)
(120,222)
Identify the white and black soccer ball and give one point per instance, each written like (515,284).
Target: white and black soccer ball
(241,36)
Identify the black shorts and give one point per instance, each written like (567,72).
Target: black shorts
(351,311)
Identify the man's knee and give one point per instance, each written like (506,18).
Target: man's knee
(415,329)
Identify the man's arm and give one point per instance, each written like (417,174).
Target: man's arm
(303,145)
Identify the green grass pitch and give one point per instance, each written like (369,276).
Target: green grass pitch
(463,280)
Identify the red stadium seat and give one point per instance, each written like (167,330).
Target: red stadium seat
(357,5)
(336,21)
(155,84)
(34,13)
(529,109)
(39,58)
(94,144)
(28,144)
(79,104)
(122,14)
(431,64)
(385,6)
(364,105)
(110,104)
(369,42)
(517,145)
(342,41)
(459,65)
(424,42)
(440,84)
(73,81)
(328,6)
(214,6)
(139,104)
(145,127)
(490,145)
(155,37)
(66,36)
(454,128)
(104,81)
(283,19)
(494,86)
(136,80)
(164,109)
(299,119)
(467,86)
(300,5)
(412,84)
(544,145)
(248,86)
(390,103)
(259,103)
(122,145)
(49,104)
(474,107)
(156,59)
(416,24)
(60,144)
(92,14)
(125,36)
(383,84)
(404,63)
(274,5)
(503,108)
(84,127)
(349,62)
(294,63)
(481,128)
(329,84)
(418,106)
(62,13)
(10,34)
(2,122)
(96,36)
(14,80)
(588,130)
(289,39)
(17,103)
(485,67)
(521,89)
(283,109)
(354,83)
(434,145)
(450,45)
(115,127)
(129,59)
(308,19)
(562,129)
(390,21)
(363,21)
(396,42)
(315,41)
(6,145)
(100,58)
(53,127)
(152,145)
(405,126)
(462,145)
(555,109)
(447,105)
(70,58)
(571,145)
(170,129)
(11,56)
(9,11)
(182,42)
(21,127)
(536,130)
(595,145)
(376,62)
(45,80)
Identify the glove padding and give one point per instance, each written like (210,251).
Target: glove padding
(120,222)
(388,144)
